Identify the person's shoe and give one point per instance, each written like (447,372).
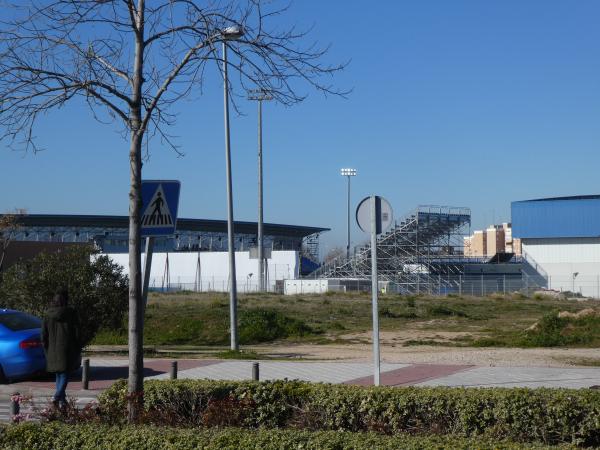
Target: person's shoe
(55,403)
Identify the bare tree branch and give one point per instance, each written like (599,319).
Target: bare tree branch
(135,60)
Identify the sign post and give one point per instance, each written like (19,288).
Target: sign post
(374,215)
(160,202)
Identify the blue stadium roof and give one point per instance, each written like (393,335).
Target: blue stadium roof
(183,224)
(573,197)
(557,217)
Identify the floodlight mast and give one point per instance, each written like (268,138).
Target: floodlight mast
(260,95)
(348,172)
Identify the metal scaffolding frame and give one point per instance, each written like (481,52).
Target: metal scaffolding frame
(421,253)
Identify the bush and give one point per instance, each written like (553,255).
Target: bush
(444,311)
(388,313)
(53,436)
(554,331)
(264,325)
(98,290)
(526,415)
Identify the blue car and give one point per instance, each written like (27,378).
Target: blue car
(21,351)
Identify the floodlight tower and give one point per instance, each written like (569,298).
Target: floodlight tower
(260,95)
(347,172)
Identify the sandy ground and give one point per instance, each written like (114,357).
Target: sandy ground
(394,353)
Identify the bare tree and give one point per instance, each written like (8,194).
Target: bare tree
(9,225)
(131,61)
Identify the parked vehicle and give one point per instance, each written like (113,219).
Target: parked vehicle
(21,351)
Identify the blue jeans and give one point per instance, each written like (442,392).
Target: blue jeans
(62,378)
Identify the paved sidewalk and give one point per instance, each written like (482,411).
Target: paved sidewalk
(104,371)
(399,374)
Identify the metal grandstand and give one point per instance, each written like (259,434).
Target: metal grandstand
(424,253)
(423,250)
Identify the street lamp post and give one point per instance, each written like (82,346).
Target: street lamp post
(346,172)
(260,95)
(574,276)
(229,34)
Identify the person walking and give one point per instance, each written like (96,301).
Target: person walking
(60,338)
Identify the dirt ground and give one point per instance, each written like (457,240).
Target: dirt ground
(393,351)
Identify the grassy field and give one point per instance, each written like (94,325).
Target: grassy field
(192,319)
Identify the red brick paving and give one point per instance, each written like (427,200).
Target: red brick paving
(413,374)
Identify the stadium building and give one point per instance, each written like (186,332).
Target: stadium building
(194,258)
(562,235)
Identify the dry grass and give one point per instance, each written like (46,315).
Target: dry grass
(202,319)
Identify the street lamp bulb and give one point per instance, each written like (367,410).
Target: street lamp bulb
(233,32)
(347,172)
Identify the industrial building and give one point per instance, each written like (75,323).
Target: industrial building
(562,235)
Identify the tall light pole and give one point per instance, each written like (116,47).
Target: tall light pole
(346,172)
(229,34)
(260,95)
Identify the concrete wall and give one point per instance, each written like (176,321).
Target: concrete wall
(212,274)
(562,258)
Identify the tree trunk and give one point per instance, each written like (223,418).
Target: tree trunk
(136,306)
(136,303)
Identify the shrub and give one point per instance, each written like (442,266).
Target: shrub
(264,325)
(525,415)
(98,290)
(553,331)
(442,310)
(53,436)
(388,313)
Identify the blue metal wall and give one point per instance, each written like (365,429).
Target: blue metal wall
(557,217)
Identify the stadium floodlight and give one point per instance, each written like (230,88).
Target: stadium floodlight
(229,34)
(260,95)
(348,172)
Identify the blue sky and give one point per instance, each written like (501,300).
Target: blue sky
(462,103)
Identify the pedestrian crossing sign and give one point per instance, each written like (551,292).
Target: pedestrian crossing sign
(160,200)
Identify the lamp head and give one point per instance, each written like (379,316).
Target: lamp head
(232,33)
(347,172)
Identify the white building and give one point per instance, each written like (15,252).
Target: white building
(209,271)
(562,235)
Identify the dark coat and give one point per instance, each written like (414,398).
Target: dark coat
(60,337)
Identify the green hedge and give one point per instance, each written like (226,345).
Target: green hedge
(57,436)
(549,416)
